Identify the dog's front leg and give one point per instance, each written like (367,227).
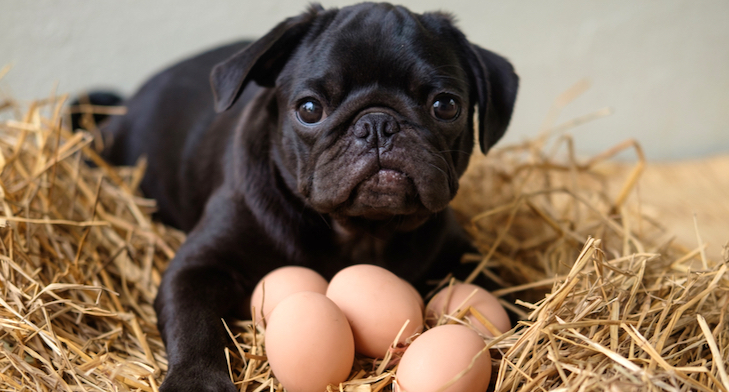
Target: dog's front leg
(202,285)
(190,306)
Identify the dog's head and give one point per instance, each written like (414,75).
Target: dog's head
(376,107)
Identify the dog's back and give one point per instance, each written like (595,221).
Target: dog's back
(169,123)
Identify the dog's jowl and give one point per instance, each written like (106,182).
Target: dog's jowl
(337,138)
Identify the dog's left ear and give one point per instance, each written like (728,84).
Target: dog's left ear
(261,61)
(496,86)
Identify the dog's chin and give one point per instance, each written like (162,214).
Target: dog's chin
(381,227)
(388,200)
(386,193)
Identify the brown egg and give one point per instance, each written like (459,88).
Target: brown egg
(448,300)
(377,304)
(439,356)
(279,284)
(309,343)
(416,294)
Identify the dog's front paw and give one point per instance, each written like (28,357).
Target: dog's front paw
(190,380)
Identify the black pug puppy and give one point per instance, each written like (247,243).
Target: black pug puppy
(338,138)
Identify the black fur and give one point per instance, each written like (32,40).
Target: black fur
(100,98)
(256,189)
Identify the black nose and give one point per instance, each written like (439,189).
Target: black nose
(376,128)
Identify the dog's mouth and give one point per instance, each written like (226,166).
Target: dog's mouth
(385,201)
(404,178)
(384,194)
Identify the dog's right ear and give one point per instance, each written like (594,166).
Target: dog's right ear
(261,61)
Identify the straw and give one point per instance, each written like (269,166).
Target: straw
(607,302)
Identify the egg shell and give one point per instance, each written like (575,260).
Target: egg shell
(282,282)
(483,301)
(438,356)
(417,295)
(308,342)
(377,304)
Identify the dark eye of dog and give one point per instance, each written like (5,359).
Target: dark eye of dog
(310,111)
(445,107)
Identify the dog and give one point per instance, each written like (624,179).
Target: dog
(337,138)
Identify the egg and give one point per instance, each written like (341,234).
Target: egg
(279,284)
(440,355)
(308,343)
(416,294)
(377,304)
(448,300)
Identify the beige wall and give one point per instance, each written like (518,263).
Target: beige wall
(663,66)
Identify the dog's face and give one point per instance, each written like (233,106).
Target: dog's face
(376,108)
(376,117)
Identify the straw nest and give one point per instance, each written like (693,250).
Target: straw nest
(608,302)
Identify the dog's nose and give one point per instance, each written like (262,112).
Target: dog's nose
(376,128)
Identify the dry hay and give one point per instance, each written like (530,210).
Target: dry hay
(608,302)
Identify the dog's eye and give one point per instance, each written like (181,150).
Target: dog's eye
(445,107)
(310,112)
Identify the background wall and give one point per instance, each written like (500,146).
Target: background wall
(663,66)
